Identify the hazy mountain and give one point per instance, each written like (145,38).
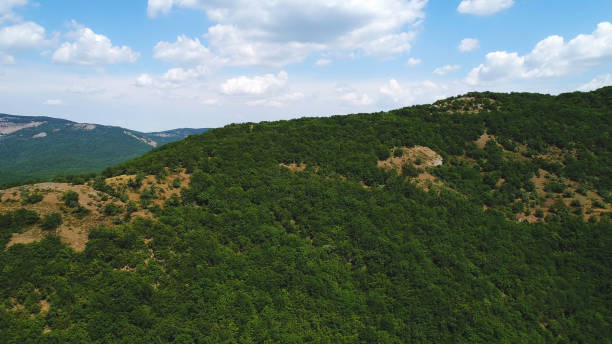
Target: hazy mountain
(40,147)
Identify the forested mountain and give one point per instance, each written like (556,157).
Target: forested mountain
(483,218)
(41,147)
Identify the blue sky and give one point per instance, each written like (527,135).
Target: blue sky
(161,64)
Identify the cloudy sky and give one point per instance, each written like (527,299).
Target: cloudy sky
(161,64)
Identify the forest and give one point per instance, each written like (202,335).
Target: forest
(292,232)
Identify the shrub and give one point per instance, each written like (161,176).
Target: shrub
(31,198)
(51,221)
(111,209)
(71,199)
(176,183)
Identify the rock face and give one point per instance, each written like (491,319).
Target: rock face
(141,139)
(40,135)
(7,127)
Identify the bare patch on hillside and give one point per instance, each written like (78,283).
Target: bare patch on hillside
(417,156)
(294,167)
(75,227)
(483,139)
(7,127)
(427,181)
(84,126)
(466,105)
(141,139)
(591,203)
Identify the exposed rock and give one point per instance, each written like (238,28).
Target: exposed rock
(10,127)
(142,139)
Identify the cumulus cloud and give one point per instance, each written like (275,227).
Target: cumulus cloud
(6,9)
(413,62)
(418,92)
(89,48)
(483,7)
(468,44)
(184,51)
(598,82)
(446,69)
(551,57)
(257,85)
(277,33)
(19,38)
(174,78)
(355,98)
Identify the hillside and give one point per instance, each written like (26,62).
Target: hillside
(42,147)
(482,218)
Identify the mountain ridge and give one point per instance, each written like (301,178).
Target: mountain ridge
(34,147)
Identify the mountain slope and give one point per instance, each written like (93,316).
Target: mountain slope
(41,147)
(407,226)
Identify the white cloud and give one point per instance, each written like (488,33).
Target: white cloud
(323,62)
(551,57)
(144,80)
(483,7)
(19,38)
(6,9)
(413,62)
(185,51)
(277,33)
(468,44)
(446,69)
(353,97)
(174,78)
(53,102)
(159,6)
(254,86)
(418,92)
(89,48)
(598,82)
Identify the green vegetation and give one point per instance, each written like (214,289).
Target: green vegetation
(253,252)
(15,222)
(51,221)
(31,198)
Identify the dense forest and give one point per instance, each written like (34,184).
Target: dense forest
(325,230)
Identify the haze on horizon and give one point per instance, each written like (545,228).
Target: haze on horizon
(166,64)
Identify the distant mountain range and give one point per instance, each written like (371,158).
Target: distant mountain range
(42,147)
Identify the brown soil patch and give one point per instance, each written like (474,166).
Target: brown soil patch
(522,217)
(164,189)
(483,139)
(427,180)
(295,167)
(417,156)
(44,306)
(464,105)
(586,201)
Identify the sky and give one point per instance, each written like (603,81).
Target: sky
(162,64)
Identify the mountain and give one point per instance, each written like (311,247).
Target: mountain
(482,218)
(41,147)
